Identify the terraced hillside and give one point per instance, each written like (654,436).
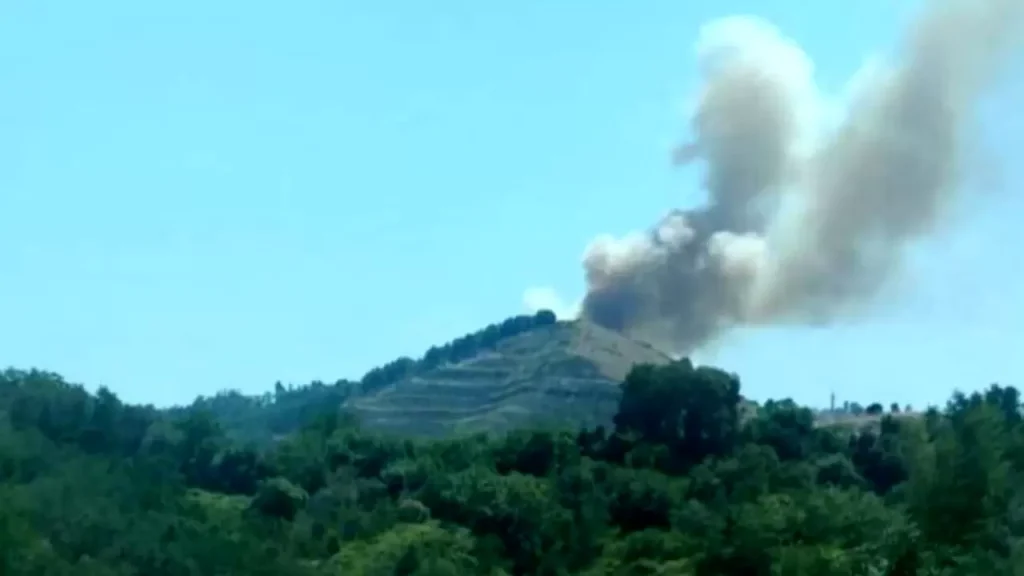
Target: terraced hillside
(567,372)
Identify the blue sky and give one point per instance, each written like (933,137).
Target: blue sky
(207,195)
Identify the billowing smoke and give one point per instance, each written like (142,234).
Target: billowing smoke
(809,213)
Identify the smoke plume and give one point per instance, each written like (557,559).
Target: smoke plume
(808,214)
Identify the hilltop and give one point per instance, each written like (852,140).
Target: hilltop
(528,369)
(565,374)
(525,371)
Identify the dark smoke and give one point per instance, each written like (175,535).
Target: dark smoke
(809,212)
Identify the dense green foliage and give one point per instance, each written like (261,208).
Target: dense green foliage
(265,417)
(684,483)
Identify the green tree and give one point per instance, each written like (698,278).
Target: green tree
(692,411)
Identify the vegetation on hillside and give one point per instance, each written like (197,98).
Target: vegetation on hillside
(680,485)
(265,417)
(567,374)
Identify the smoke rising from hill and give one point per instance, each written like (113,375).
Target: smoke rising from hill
(808,214)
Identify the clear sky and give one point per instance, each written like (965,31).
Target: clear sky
(206,195)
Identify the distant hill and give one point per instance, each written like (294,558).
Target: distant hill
(567,373)
(525,369)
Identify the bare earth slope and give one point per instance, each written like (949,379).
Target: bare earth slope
(564,374)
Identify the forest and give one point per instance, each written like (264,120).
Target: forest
(683,483)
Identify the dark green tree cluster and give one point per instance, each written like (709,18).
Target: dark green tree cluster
(686,482)
(269,416)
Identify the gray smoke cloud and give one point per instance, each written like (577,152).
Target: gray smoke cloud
(812,201)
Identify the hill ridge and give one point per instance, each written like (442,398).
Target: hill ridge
(567,371)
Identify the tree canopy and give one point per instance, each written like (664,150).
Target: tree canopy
(685,482)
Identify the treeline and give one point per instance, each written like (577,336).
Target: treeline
(684,483)
(873,409)
(268,416)
(274,414)
(457,350)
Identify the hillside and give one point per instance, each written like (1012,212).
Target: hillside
(524,371)
(566,374)
(264,417)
